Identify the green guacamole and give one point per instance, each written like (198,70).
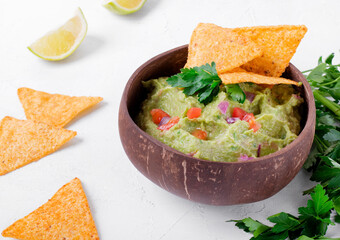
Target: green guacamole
(275,109)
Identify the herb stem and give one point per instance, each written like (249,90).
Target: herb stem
(327,103)
(322,145)
(330,82)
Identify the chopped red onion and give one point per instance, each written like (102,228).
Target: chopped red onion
(244,157)
(250,96)
(164,120)
(297,96)
(231,120)
(223,106)
(259,151)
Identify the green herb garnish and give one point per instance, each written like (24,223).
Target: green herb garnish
(204,82)
(323,161)
(312,222)
(325,81)
(236,93)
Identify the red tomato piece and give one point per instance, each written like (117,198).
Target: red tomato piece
(238,113)
(249,117)
(200,134)
(254,125)
(157,115)
(172,122)
(194,113)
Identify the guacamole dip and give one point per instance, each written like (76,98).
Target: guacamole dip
(222,135)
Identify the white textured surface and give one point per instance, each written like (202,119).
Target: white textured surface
(125,204)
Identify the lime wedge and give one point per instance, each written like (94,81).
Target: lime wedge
(124,7)
(61,43)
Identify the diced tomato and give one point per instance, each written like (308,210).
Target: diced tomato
(172,122)
(249,117)
(200,134)
(194,113)
(254,125)
(157,115)
(238,113)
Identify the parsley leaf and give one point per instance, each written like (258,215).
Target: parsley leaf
(332,135)
(283,222)
(319,207)
(251,225)
(236,93)
(202,80)
(324,161)
(205,82)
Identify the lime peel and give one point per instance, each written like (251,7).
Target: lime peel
(117,7)
(61,43)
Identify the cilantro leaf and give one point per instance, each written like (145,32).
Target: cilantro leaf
(329,59)
(304,237)
(337,204)
(268,235)
(316,75)
(337,218)
(236,93)
(324,161)
(318,206)
(332,135)
(314,228)
(205,82)
(255,226)
(283,222)
(202,80)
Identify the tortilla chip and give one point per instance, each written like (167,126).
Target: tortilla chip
(227,49)
(26,141)
(238,77)
(279,43)
(238,69)
(66,215)
(54,109)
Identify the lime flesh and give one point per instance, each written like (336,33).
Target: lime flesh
(124,7)
(61,43)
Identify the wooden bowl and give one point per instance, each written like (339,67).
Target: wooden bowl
(216,183)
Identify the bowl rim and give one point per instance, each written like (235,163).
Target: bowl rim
(310,122)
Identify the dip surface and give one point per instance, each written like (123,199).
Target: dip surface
(275,109)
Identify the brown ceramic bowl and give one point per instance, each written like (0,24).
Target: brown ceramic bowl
(216,183)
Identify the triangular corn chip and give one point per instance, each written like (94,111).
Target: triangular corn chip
(66,215)
(279,43)
(26,141)
(238,77)
(211,43)
(238,69)
(53,109)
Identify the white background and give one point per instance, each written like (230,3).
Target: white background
(126,205)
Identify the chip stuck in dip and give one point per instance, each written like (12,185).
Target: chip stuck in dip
(218,110)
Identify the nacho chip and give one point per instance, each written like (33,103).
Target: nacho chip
(66,215)
(279,43)
(227,49)
(26,141)
(54,109)
(238,77)
(238,69)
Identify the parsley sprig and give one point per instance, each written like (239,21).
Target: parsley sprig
(312,222)
(205,82)
(323,161)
